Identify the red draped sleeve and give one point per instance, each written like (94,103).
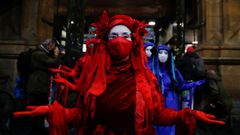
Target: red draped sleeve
(184,121)
(59,118)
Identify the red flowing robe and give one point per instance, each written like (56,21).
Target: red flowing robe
(120,110)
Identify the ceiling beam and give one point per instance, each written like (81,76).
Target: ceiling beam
(157,11)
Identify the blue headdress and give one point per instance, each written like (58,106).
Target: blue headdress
(169,65)
(146,44)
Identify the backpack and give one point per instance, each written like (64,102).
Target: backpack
(24,63)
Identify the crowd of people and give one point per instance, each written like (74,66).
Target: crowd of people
(122,86)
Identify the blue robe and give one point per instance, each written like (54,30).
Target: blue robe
(150,63)
(170,93)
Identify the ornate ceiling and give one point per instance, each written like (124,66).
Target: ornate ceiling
(136,8)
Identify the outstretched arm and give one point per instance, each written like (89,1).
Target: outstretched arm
(33,111)
(184,119)
(189,85)
(204,117)
(183,85)
(58,116)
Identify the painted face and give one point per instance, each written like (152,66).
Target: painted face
(119,42)
(120,31)
(148,51)
(163,56)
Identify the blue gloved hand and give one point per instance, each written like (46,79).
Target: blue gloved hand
(199,83)
(192,85)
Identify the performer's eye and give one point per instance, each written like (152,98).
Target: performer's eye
(126,35)
(113,35)
(163,52)
(160,52)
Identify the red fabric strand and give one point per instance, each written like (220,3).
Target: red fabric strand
(185,122)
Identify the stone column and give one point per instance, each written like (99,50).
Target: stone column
(231,47)
(213,29)
(29,20)
(222,45)
(46,13)
(232,22)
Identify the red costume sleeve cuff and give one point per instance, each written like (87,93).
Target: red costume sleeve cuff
(185,123)
(59,118)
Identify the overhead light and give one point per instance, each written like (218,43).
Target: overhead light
(152,23)
(182,24)
(174,24)
(63,34)
(195,42)
(160,29)
(84,48)
(63,43)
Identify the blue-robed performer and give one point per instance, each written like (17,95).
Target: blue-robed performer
(148,46)
(171,82)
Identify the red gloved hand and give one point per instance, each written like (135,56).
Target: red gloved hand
(68,71)
(56,70)
(208,118)
(65,82)
(59,79)
(65,68)
(33,111)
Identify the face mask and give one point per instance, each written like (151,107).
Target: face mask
(162,56)
(119,48)
(148,51)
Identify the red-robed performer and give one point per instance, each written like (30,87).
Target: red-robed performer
(118,94)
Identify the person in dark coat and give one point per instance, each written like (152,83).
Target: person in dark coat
(211,97)
(39,80)
(191,65)
(38,84)
(214,99)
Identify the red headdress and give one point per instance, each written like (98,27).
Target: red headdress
(104,24)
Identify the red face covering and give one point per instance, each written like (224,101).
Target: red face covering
(119,48)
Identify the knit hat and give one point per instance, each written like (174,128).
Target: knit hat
(191,49)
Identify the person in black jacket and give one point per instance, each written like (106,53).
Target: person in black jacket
(214,99)
(38,84)
(211,97)
(191,65)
